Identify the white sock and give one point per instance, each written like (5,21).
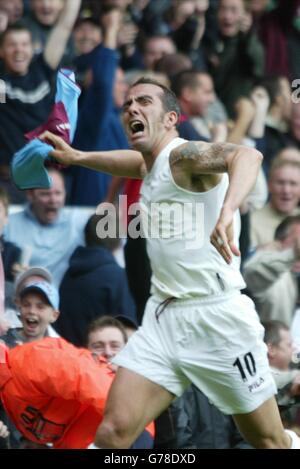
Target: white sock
(295,439)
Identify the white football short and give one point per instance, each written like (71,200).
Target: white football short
(215,343)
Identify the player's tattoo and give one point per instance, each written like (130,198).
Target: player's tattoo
(207,157)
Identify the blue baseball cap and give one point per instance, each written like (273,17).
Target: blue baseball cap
(48,290)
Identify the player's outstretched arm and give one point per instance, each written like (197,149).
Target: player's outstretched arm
(125,163)
(242,165)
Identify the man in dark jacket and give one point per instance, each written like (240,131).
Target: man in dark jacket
(94,285)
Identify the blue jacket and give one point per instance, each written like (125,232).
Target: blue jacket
(99,127)
(94,285)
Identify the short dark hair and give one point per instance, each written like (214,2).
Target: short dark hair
(4,198)
(11,28)
(106,321)
(272,331)
(283,229)
(92,238)
(168,98)
(172,64)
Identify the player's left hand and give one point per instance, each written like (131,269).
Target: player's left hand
(222,237)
